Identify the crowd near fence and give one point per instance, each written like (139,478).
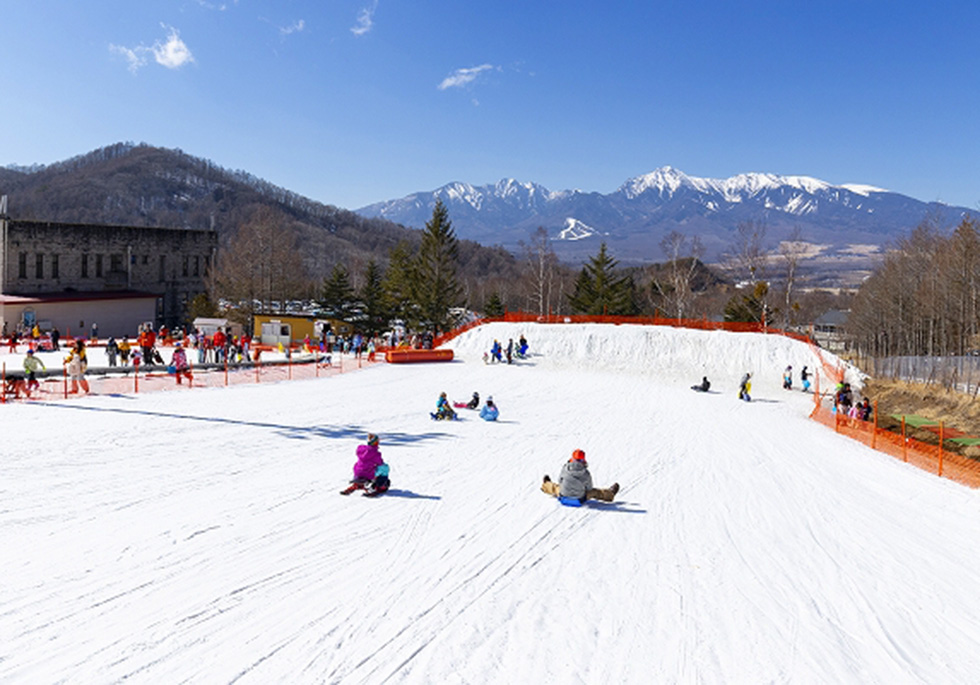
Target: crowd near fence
(306,364)
(55,384)
(933,458)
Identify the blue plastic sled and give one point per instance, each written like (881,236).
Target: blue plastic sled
(570,501)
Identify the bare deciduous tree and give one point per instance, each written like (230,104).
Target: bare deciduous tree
(749,259)
(261,267)
(541,269)
(683,256)
(792,250)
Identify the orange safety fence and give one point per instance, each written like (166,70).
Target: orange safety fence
(698,324)
(933,458)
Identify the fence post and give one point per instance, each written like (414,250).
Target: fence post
(3,393)
(289,362)
(136,376)
(905,442)
(64,370)
(257,363)
(940,448)
(226,368)
(874,429)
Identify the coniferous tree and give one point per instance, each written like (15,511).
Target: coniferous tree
(751,308)
(374,313)
(494,308)
(202,306)
(400,285)
(337,298)
(437,286)
(600,290)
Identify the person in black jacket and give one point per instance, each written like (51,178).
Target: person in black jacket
(703,386)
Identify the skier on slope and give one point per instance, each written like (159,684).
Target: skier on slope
(370,470)
(574,485)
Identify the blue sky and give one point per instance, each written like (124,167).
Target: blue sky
(355,101)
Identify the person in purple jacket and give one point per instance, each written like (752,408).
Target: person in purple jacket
(366,469)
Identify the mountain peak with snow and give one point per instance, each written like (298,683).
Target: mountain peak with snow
(666,181)
(648,207)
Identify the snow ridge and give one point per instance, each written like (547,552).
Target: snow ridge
(668,181)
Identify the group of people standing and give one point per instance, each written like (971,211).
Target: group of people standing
(498,351)
(804,378)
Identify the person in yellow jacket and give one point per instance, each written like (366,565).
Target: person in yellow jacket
(124,348)
(77,361)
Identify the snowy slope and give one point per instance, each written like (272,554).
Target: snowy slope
(198,537)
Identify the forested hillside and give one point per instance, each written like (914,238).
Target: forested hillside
(141,185)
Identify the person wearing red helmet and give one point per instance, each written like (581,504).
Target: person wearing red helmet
(575,483)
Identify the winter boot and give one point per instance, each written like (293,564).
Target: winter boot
(547,478)
(614,489)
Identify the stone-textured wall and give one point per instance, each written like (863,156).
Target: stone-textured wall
(42,257)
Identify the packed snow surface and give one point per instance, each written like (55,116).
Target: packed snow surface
(198,536)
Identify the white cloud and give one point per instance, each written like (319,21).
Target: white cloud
(136,57)
(296,27)
(174,53)
(221,7)
(462,77)
(171,53)
(365,20)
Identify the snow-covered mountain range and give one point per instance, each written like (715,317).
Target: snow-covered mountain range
(634,218)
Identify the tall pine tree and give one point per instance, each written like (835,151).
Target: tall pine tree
(400,285)
(438,288)
(600,290)
(374,313)
(337,298)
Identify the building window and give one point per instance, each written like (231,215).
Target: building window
(163,268)
(98,266)
(197,266)
(84,266)
(184,268)
(54,266)
(22,265)
(115,262)
(39,266)
(146,259)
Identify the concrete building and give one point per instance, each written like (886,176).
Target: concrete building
(72,275)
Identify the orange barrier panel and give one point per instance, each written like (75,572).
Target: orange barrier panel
(927,457)
(409,356)
(698,324)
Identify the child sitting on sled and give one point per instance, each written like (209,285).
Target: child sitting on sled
(489,411)
(370,470)
(443,410)
(574,485)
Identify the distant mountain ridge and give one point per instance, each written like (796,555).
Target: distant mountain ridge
(634,218)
